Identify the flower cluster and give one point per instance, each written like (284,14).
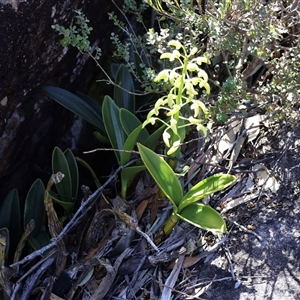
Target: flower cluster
(184,80)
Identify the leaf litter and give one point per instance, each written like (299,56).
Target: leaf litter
(116,251)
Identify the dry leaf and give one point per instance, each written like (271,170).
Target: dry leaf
(195,165)
(54,297)
(252,124)
(140,209)
(229,136)
(188,262)
(264,178)
(236,151)
(171,280)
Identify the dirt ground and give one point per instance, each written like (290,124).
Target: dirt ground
(267,268)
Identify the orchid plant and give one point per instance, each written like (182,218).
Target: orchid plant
(183,79)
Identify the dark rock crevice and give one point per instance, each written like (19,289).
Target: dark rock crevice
(31,125)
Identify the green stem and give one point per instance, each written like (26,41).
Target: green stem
(170,224)
(176,154)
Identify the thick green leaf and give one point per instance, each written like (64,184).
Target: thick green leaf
(113,126)
(203,216)
(123,90)
(130,122)
(101,138)
(60,164)
(127,175)
(10,218)
(73,171)
(130,144)
(88,110)
(153,139)
(40,241)
(92,103)
(34,207)
(114,70)
(163,175)
(67,205)
(205,188)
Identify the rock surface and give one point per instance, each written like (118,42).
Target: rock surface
(266,269)
(30,123)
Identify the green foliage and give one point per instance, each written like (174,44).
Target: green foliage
(35,210)
(132,50)
(124,130)
(67,189)
(10,218)
(124,90)
(77,35)
(117,125)
(185,206)
(252,45)
(86,108)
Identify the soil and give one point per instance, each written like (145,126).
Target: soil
(247,268)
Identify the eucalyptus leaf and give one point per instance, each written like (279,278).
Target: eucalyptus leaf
(203,216)
(124,89)
(163,175)
(34,208)
(206,187)
(88,110)
(60,164)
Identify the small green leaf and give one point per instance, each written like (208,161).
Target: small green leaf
(73,171)
(124,88)
(113,125)
(128,174)
(153,139)
(10,218)
(130,144)
(203,216)
(34,207)
(86,109)
(60,164)
(205,188)
(101,138)
(163,175)
(40,241)
(67,205)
